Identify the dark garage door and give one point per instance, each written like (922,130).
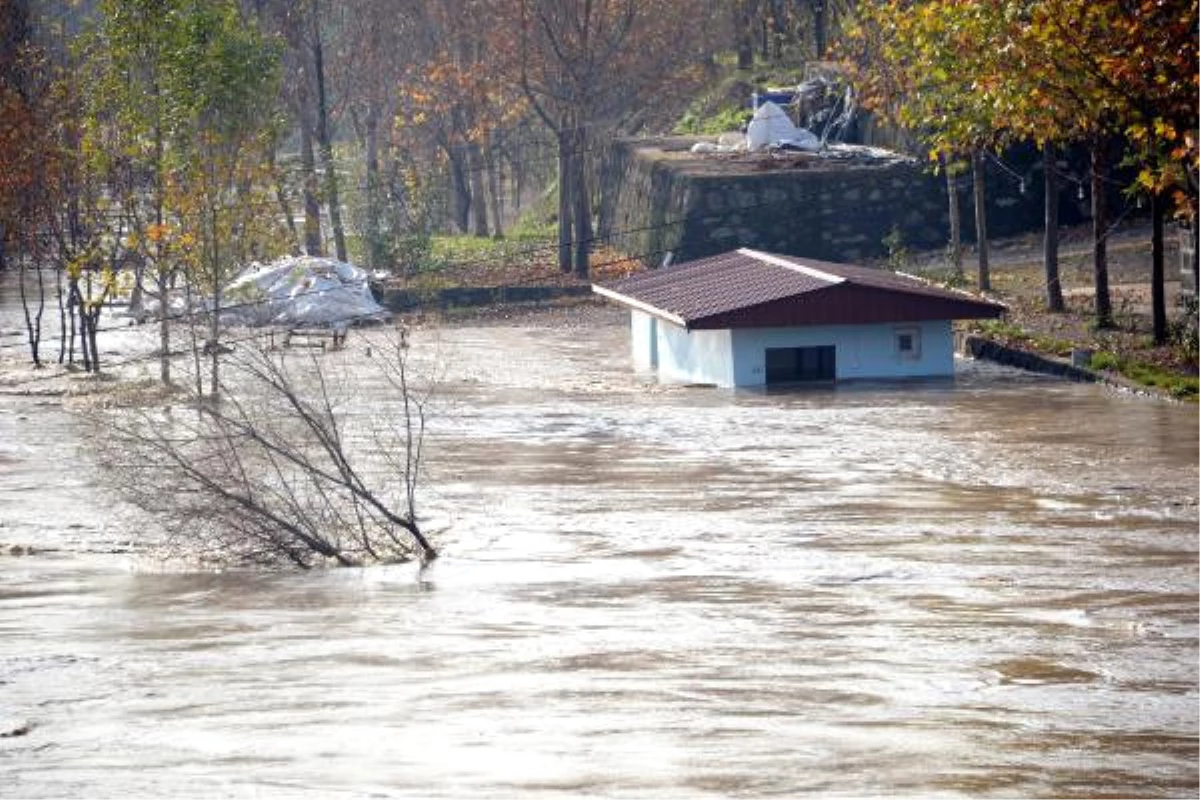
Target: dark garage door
(798,364)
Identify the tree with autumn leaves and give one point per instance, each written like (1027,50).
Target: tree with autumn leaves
(176,122)
(972,75)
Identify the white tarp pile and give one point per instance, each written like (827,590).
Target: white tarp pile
(771,127)
(302,291)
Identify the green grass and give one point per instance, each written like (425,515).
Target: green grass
(722,121)
(1014,334)
(1179,386)
(1144,373)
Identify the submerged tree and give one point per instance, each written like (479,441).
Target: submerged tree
(285,470)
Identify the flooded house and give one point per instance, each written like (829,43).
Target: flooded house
(749,318)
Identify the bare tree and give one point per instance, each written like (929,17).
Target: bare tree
(587,67)
(284,469)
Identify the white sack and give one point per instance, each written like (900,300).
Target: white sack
(772,127)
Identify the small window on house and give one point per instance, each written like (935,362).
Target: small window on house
(908,343)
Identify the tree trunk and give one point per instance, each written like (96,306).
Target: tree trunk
(33,317)
(325,140)
(565,196)
(66,319)
(495,195)
(479,213)
(1194,234)
(1103,303)
(819,12)
(956,254)
(1158,293)
(312,202)
(376,247)
(979,183)
(91,327)
(744,31)
(582,206)
(162,272)
(461,185)
(281,197)
(1054,296)
(214,331)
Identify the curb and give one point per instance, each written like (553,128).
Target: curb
(989,350)
(401,300)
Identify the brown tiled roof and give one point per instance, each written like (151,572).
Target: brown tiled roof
(750,289)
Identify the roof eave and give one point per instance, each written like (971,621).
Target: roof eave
(638,305)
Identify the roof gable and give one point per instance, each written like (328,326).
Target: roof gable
(747,288)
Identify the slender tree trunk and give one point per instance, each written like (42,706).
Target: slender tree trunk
(495,189)
(60,299)
(33,316)
(162,272)
(479,212)
(461,184)
(819,24)
(1193,227)
(312,202)
(325,141)
(1194,234)
(979,183)
(1054,295)
(376,246)
(197,362)
(744,28)
(583,206)
(516,181)
(955,211)
(66,351)
(91,327)
(81,312)
(214,331)
(164,322)
(565,195)
(137,293)
(1158,293)
(1103,303)
(281,197)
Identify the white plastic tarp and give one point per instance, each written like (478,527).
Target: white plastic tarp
(772,127)
(302,291)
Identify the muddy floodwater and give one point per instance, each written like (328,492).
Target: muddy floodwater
(978,587)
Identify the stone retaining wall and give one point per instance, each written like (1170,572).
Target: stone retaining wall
(988,350)
(656,197)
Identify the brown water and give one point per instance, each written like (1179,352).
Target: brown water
(979,587)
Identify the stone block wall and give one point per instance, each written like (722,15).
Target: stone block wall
(658,198)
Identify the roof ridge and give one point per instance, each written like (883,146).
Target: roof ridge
(779,261)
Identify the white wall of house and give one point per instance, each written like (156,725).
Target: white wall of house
(694,356)
(643,339)
(863,351)
(679,355)
(738,357)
